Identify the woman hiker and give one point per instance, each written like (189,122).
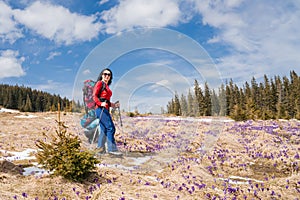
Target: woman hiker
(107,127)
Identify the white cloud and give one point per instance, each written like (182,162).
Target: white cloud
(103,2)
(86,72)
(261,36)
(62,88)
(58,23)
(53,54)
(8,27)
(11,64)
(141,13)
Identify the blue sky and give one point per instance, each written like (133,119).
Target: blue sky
(155,48)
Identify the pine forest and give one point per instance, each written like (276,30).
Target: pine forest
(274,98)
(26,99)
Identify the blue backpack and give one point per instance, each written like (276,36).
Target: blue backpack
(89,104)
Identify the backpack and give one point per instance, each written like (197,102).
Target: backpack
(87,90)
(89,121)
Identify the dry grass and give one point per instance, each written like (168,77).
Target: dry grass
(238,165)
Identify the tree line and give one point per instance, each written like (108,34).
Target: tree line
(26,99)
(273,98)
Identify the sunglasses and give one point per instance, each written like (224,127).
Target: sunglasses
(106,74)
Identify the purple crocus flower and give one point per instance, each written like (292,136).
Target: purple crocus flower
(255,193)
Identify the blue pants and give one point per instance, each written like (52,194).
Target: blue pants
(106,130)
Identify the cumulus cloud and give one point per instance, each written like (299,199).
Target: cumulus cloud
(9,31)
(57,23)
(11,64)
(141,13)
(257,35)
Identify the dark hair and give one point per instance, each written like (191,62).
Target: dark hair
(100,76)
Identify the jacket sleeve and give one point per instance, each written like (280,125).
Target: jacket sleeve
(96,94)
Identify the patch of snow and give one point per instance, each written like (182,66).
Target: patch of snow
(246,179)
(140,160)
(239,180)
(25,116)
(9,110)
(117,166)
(24,155)
(134,163)
(48,118)
(208,120)
(34,170)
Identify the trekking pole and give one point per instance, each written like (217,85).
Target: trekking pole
(119,113)
(124,142)
(98,126)
(120,116)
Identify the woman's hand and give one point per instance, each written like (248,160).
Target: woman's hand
(116,104)
(103,104)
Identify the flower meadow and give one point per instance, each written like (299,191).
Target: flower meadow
(173,158)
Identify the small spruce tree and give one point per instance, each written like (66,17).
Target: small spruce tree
(62,155)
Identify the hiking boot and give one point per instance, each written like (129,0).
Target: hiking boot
(116,153)
(100,150)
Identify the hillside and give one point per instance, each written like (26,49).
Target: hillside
(164,158)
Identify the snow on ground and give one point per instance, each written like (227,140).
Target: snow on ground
(5,110)
(23,155)
(25,116)
(9,110)
(187,119)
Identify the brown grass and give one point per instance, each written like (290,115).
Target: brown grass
(173,173)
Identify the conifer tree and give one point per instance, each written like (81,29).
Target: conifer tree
(177,109)
(266,98)
(207,104)
(222,100)
(273,99)
(230,98)
(286,109)
(255,94)
(11,100)
(215,107)
(198,99)
(190,102)
(28,104)
(183,105)
(21,102)
(278,85)
(294,94)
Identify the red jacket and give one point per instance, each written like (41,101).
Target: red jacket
(105,94)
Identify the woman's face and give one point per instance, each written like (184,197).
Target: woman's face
(106,76)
